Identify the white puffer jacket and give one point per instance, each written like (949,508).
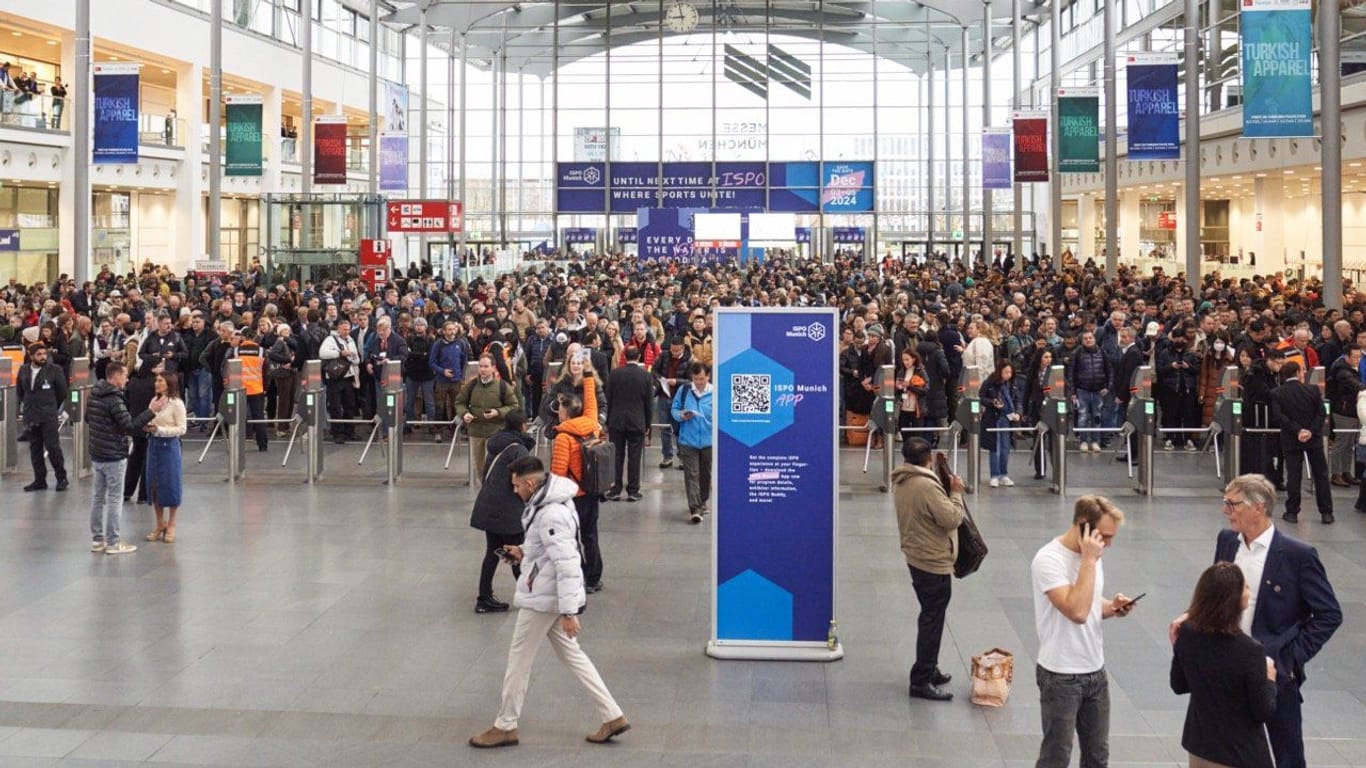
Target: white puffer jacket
(1361,416)
(552,564)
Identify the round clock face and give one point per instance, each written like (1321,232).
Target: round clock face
(681,17)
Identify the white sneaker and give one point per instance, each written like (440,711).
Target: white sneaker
(1192,447)
(1166,445)
(97,547)
(1085,447)
(120,548)
(1095,447)
(995,482)
(1007,482)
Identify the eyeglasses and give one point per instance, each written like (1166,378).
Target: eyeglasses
(1234,503)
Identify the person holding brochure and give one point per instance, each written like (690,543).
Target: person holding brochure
(692,409)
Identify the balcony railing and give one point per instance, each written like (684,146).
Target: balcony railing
(40,112)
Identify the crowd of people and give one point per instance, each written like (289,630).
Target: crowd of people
(614,348)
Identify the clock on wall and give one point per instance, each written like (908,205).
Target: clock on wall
(681,18)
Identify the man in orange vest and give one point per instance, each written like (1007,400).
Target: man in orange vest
(245,348)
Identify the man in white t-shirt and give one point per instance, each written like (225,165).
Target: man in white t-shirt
(1069,604)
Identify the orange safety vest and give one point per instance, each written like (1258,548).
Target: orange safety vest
(1293,353)
(15,353)
(253,367)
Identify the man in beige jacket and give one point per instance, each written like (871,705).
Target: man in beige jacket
(928,519)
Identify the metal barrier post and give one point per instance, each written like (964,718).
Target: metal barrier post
(393,409)
(1143,415)
(887,395)
(1228,416)
(313,411)
(80,432)
(234,412)
(9,416)
(969,419)
(1315,378)
(1057,420)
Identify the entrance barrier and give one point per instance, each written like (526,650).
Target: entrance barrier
(1054,425)
(968,417)
(1142,417)
(80,433)
(9,415)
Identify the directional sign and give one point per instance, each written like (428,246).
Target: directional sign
(424,216)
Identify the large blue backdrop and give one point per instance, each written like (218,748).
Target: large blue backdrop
(798,187)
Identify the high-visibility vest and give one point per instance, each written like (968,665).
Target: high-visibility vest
(253,367)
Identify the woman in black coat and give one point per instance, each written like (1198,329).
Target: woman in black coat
(497,510)
(1231,680)
(1035,384)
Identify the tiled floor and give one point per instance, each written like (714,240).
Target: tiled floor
(333,625)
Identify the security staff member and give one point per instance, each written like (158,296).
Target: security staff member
(245,348)
(42,395)
(1297,409)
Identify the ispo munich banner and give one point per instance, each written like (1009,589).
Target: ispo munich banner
(1154,130)
(1276,83)
(116,113)
(244,136)
(799,187)
(996,158)
(1079,130)
(329,150)
(1031,146)
(393,162)
(774,464)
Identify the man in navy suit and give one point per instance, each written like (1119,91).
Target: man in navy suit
(1293,610)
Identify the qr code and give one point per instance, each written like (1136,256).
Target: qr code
(751,393)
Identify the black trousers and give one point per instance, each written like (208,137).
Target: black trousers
(625,442)
(494,541)
(135,476)
(1285,729)
(341,404)
(256,409)
(587,508)
(42,435)
(933,591)
(1294,453)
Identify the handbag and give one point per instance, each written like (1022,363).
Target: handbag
(992,674)
(972,548)
(1359,453)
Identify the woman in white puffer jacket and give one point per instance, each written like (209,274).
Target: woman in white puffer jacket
(550,596)
(1361,444)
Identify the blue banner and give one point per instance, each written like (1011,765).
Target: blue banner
(996,158)
(848,235)
(393,162)
(797,187)
(115,113)
(9,239)
(1154,112)
(1276,45)
(626,235)
(581,235)
(803,235)
(775,466)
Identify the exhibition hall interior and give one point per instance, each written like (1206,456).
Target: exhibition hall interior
(943,383)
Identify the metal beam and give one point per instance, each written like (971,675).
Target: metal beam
(1111,147)
(1191,226)
(80,145)
(1330,119)
(215,206)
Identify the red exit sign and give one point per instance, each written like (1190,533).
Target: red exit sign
(424,216)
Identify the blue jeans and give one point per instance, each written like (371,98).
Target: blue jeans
(666,434)
(106,508)
(428,389)
(1089,408)
(1110,418)
(199,393)
(999,458)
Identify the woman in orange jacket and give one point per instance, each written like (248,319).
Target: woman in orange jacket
(579,422)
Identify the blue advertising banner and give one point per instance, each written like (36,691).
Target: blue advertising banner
(1154,112)
(9,239)
(1276,68)
(803,235)
(116,113)
(393,162)
(580,235)
(797,187)
(626,235)
(774,464)
(996,158)
(665,233)
(848,235)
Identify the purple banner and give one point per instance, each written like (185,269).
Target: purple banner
(393,162)
(996,158)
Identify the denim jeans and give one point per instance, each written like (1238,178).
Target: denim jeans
(666,434)
(428,390)
(1089,408)
(1110,418)
(999,458)
(1074,703)
(199,393)
(106,508)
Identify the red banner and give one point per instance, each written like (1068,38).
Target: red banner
(1031,147)
(424,216)
(1167,220)
(329,150)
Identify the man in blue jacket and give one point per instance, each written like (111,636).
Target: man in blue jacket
(1292,612)
(692,410)
(448,363)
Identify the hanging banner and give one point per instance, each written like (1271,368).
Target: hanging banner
(775,469)
(996,158)
(243,152)
(1031,146)
(1276,68)
(1154,112)
(1079,130)
(116,113)
(795,187)
(393,162)
(329,150)
(395,109)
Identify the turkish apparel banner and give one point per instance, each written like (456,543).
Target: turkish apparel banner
(243,153)
(1079,130)
(996,158)
(1031,146)
(1154,112)
(329,150)
(1276,82)
(775,462)
(393,162)
(116,113)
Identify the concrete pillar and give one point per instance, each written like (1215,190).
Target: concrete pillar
(1129,202)
(272,115)
(1269,208)
(1086,226)
(190,226)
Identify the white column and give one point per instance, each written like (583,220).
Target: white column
(1128,226)
(1269,206)
(272,115)
(66,191)
(190,184)
(1086,227)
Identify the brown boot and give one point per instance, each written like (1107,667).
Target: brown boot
(610,729)
(495,737)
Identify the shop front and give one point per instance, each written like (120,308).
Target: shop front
(28,234)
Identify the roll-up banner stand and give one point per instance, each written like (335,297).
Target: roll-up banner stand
(775,465)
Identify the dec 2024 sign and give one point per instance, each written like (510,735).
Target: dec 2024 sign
(775,480)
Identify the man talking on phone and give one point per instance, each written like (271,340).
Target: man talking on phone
(1069,604)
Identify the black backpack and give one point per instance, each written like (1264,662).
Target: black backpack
(599,458)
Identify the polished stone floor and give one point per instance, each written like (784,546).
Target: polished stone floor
(296,625)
